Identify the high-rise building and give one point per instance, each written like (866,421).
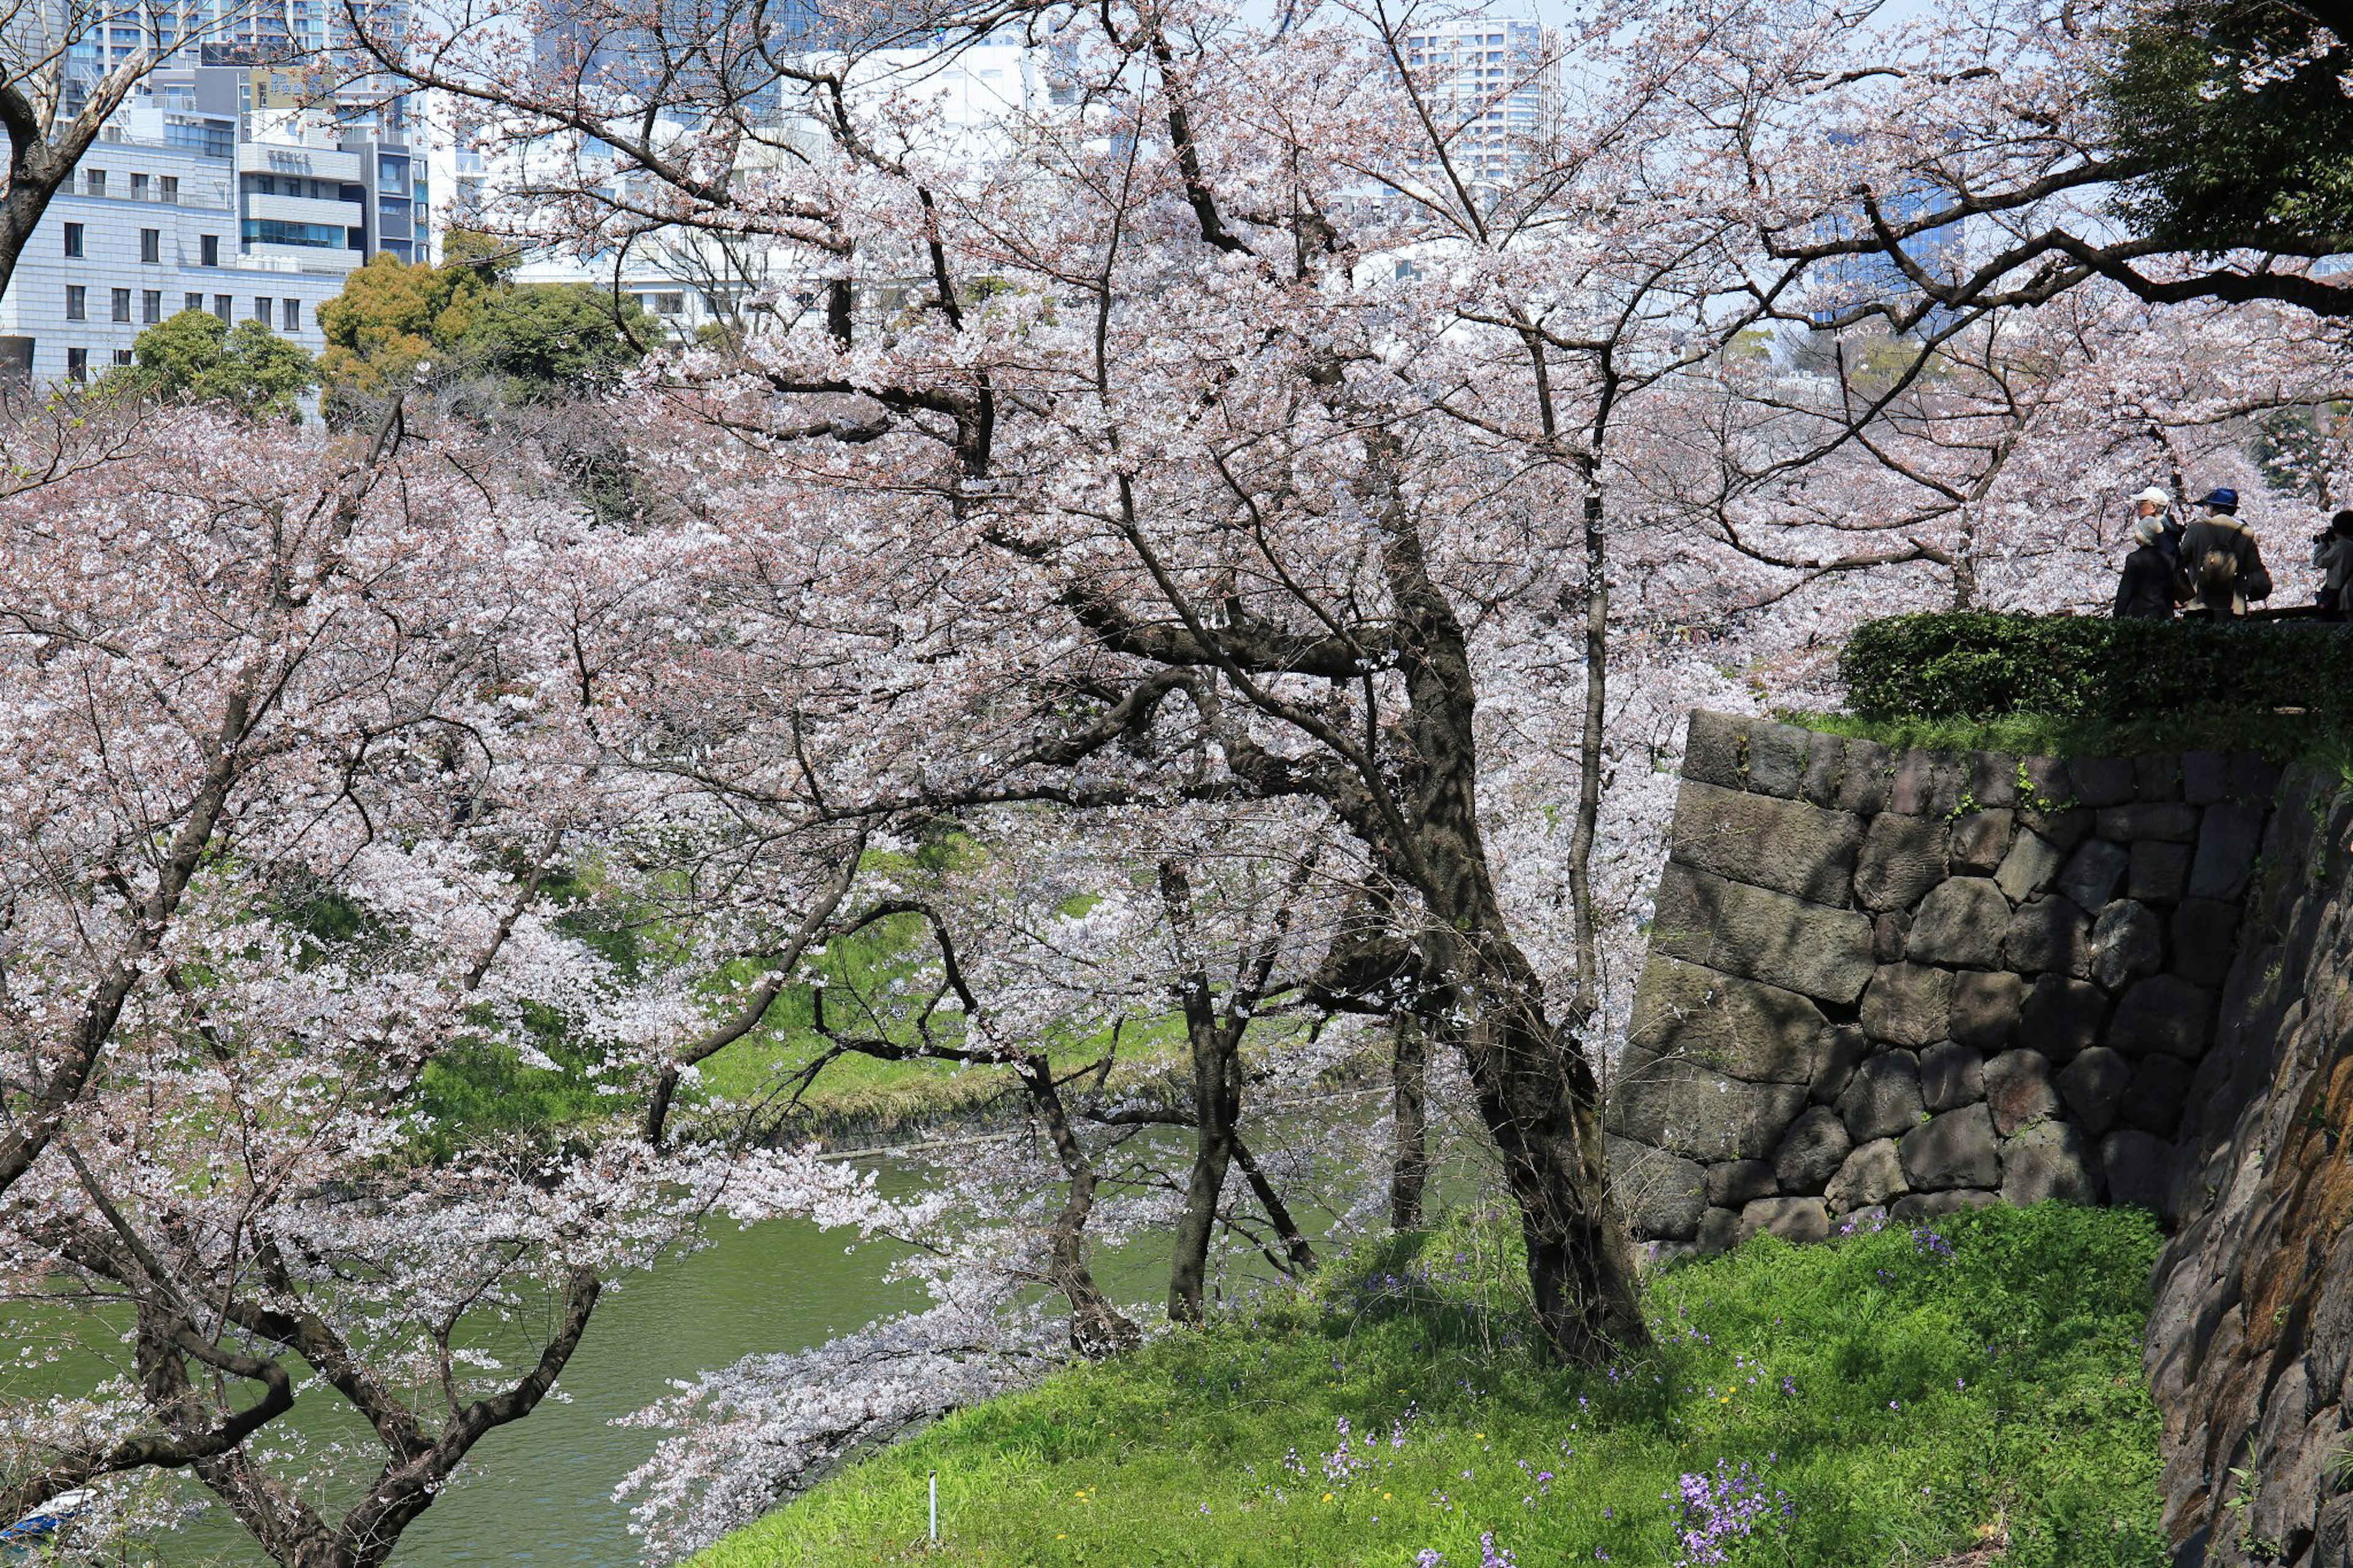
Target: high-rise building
(1491,79)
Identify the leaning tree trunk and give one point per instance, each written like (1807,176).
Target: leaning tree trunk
(1536,1091)
(1410,1121)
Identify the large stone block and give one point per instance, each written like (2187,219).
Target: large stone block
(1993,779)
(2160,1089)
(1928,783)
(1960,924)
(1863,787)
(2205,777)
(2047,1160)
(2159,873)
(1908,1005)
(2093,872)
(1825,761)
(1715,748)
(1986,1009)
(1890,935)
(1981,840)
(1882,1099)
(1697,1112)
(1662,1195)
(2138,1169)
(2094,1086)
(2102,781)
(1811,1152)
(2061,1016)
(1843,1047)
(2164,1014)
(2228,841)
(1776,758)
(2018,1091)
(2205,936)
(1757,934)
(1958,1148)
(1951,1075)
(1736,1182)
(1801,1220)
(1902,858)
(1871,1173)
(1784,845)
(1719,1231)
(2157,776)
(2253,778)
(1748,1030)
(2127,944)
(2033,864)
(2172,823)
(1920,1206)
(2049,936)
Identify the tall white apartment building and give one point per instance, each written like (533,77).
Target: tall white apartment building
(1490,76)
(204,194)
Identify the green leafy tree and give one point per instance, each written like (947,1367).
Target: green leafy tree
(2234,114)
(468,316)
(197,357)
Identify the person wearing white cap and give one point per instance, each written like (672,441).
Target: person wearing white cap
(2156,502)
(2147,589)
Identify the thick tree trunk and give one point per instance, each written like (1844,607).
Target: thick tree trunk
(1098,1329)
(1216,1096)
(1410,1121)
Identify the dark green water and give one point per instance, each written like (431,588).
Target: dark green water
(538,1494)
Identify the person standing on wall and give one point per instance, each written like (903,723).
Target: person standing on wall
(2219,560)
(2332,553)
(2149,585)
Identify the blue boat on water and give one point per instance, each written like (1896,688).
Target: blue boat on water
(37,1529)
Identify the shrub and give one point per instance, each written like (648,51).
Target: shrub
(1976,664)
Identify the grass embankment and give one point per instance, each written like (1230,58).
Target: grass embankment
(1909,1398)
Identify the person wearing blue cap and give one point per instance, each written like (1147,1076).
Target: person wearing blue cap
(2219,558)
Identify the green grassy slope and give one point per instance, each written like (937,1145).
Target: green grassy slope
(1900,1397)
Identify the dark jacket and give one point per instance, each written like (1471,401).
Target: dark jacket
(2144,591)
(2220,533)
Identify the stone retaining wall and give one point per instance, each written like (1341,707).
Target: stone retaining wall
(2249,1347)
(1912,982)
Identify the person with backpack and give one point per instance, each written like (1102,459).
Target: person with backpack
(2332,553)
(2219,561)
(2149,585)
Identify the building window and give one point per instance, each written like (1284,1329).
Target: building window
(222,306)
(192,301)
(73,239)
(209,250)
(292,317)
(77,302)
(151,306)
(122,303)
(122,356)
(77,364)
(95,182)
(354,240)
(167,189)
(280,231)
(138,187)
(150,246)
(668,304)
(261,304)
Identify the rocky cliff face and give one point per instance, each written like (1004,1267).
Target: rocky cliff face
(1906,983)
(2250,1350)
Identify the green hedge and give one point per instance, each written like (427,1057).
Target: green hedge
(1980,666)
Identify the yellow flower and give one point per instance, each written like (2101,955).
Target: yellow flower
(1386,1495)
(1327,1497)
